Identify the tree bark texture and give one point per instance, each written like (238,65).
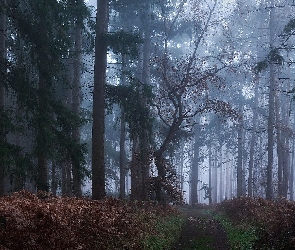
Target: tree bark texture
(280,151)
(137,186)
(98,127)
(286,135)
(240,156)
(53,178)
(253,139)
(214,176)
(66,188)
(271,110)
(195,165)
(282,123)
(42,181)
(181,165)
(228,178)
(210,175)
(220,167)
(122,157)
(291,188)
(140,164)
(2,98)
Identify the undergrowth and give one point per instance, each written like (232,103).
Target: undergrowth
(266,224)
(242,236)
(29,221)
(165,232)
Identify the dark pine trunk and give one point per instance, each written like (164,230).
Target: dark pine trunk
(2,77)
(98,127)
(41,182)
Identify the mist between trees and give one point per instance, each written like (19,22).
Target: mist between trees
(151,100)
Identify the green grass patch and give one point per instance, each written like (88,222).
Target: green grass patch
(242,236)
(165,233)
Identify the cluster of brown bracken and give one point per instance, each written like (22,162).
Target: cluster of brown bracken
(29,221)
(274,220)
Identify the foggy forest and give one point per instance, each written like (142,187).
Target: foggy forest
(166,101)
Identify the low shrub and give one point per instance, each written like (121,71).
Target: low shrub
(274,221)
(29,221)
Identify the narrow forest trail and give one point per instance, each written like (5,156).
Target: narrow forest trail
(200,231)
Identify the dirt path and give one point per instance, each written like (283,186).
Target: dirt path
(201,231)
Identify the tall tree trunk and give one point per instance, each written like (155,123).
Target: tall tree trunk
(291,183)
(195,165)
(135,165)
(286,135)
(253,139)
(220,164)
(240,156)
(228,178)
(145,144)
(233,182)
(76,99)
(42,180)
(210,174)
(142,152)
(66,188)
(214,177)
(98,127)
(159,158)
(292,172)
(66,177)
(181,165)
(280,150)
(286,165)
(136,172)
(18,181)
(53,178)
(2,99)
(220,190)
(122,156)
(271,107)
(261,189)
(123,136)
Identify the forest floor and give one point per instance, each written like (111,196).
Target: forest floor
(201,230)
